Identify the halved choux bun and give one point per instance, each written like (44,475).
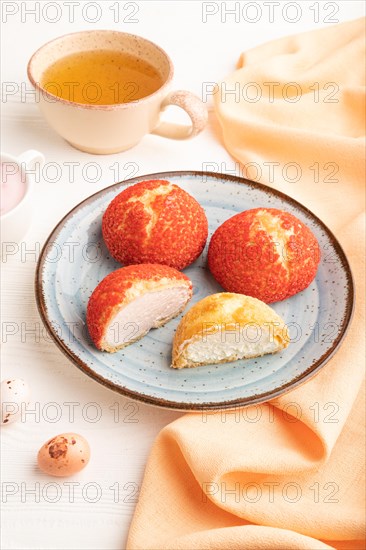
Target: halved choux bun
(129,302)
(225,327)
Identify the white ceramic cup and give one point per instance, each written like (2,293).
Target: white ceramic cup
(16,222)
(104,129)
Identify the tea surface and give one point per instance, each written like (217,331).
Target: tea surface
(101,77)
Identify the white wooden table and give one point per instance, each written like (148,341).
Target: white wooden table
(93,509)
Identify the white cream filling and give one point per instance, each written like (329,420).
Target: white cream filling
(238,343)
(144,313)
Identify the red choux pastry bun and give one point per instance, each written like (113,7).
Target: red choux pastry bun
(155,222)
(265,253)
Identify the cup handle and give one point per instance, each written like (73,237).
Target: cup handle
(193,106)
(30,158)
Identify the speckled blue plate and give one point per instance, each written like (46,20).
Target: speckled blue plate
(74,260)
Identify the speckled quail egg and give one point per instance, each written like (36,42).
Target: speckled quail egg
(64,455)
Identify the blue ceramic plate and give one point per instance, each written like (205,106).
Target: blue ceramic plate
(317,317)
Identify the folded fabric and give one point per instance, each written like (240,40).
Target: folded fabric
(290,473)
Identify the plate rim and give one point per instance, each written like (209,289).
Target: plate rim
(309,373)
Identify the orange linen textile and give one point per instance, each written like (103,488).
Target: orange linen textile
(290,473)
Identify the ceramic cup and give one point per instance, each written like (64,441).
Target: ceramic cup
(16,222)
(104,129)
